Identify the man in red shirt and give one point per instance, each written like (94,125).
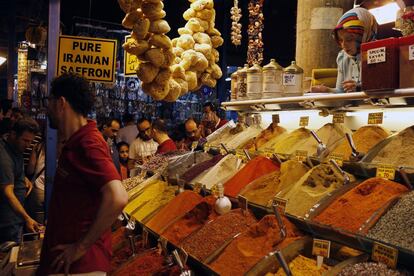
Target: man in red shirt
(160,135)
(87,193)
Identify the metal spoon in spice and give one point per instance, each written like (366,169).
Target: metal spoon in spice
(355,155)
(321,150)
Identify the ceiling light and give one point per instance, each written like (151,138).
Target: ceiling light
(386,14)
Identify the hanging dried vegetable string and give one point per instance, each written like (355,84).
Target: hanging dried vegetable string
(255,48)
(235,25)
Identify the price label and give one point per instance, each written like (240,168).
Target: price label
(301,155)
(281,204)
(304,121)
(411,52)
(338,118)
(214,191)
(194,145)
(385,254)
(289,79)
(321,248)
(339,158)
(197,188)
(375,118)
(377,55)
(275,119)
(243,202)
(386,171)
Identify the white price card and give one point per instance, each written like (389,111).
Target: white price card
(377,55)
(411,52)
(289,79)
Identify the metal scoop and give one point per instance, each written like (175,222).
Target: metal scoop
(184,272)
(347,180)
(321,150)
(282,226)
(405,178)
(355,155)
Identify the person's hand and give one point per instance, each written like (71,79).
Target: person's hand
(319,88)
(349,86)
(29,186)
(32,225)
(70,253)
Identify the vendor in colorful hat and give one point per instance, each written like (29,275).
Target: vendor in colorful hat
(355,27)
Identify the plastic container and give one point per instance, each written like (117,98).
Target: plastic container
(242,83)
(272,80)
(254,82)
(293,80)
(406,46)
(380,65)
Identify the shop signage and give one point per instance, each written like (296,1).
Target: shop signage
(94,58)
(377,55)
(338,118)
(339,158)
(411,52)
(386,171)
(131,62)
(301,155)
(281,203)
(304,121)
(375,118)
(385,254)
(321,248)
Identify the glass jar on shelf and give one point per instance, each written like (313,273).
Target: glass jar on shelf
(272,80)
(293,80)
(254,82)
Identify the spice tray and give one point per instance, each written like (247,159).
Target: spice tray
(304,247)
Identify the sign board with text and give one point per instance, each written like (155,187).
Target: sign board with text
(93,58)
(131,62)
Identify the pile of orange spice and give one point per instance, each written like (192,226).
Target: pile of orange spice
(351,210)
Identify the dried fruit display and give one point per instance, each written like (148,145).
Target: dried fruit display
(236,15)
(256,18)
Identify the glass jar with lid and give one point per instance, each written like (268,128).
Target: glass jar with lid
(272,80)
(254,82)
(242,83)
(293,80)
(234,79)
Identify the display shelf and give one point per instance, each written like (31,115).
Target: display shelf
(312,100)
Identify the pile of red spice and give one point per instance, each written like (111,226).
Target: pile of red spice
(252,245)
(192,221)
(254,169)
(146,264)
(177,207)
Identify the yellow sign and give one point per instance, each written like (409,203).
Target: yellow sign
(339,158)
(338,118)
(321,248)
(304,121)
(385,254)
(301,155)
(281,203)
(375,118)
(94,58)
(131,62)
(386,171)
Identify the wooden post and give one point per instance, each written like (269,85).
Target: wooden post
(315,47)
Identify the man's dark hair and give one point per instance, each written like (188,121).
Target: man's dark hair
(209,104)
(121,144)
(140,121)
(160,125)
(25,124)
(75,89)
(127,118)
(108,122)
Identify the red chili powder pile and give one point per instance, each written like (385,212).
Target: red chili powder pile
(145,264)
(351,210)
(256,168)
(177,207)
(192,221)
(122,255)
(251,246)
(213,235)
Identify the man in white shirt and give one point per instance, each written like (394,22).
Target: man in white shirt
(142,147)
(129,132)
